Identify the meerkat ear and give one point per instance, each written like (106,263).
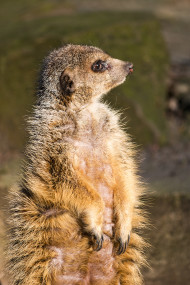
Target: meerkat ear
(66,84)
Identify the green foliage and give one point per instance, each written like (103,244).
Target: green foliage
(129,36)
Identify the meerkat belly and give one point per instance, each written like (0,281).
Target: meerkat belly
(95,167)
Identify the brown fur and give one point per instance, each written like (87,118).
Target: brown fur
(79,190)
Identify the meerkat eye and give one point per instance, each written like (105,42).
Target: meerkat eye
(99,66)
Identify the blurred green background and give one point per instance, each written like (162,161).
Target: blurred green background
(154,35)
(27,38)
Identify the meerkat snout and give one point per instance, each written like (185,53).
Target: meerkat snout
(129,67)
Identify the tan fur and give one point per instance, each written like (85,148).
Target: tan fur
(79,181)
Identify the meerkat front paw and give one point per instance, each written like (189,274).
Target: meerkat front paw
(122,245)
(92,226)
(122,234)
(95,239)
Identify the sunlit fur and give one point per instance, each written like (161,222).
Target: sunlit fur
(79,180)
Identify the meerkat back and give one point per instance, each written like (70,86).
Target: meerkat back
(75,213)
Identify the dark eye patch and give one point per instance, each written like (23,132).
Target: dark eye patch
(99,66)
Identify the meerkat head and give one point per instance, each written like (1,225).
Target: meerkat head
(82,73)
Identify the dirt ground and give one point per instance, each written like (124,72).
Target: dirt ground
(169,237)
(166,171)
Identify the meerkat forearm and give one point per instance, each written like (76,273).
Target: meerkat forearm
(124,203)
(73,194)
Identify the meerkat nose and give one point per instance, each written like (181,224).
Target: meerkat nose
(129,67)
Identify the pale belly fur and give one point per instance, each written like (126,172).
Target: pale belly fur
(96,167)
(91,163)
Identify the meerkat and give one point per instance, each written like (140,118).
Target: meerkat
(74,216)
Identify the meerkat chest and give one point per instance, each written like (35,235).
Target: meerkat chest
(90,153)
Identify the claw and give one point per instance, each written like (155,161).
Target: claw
(95,240)
(98,242)
(122,245)
(129,236)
